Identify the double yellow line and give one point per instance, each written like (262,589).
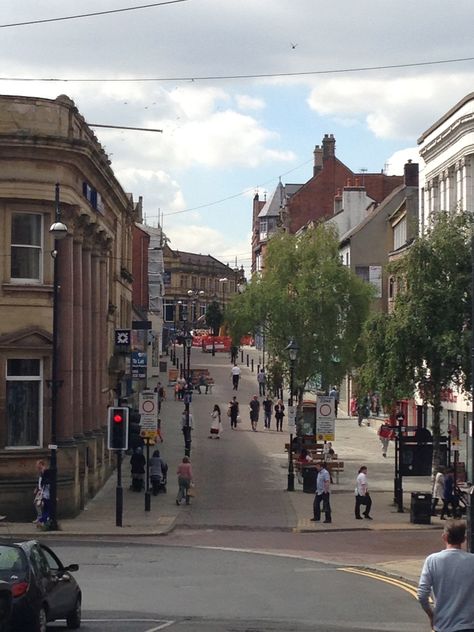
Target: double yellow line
(409,588)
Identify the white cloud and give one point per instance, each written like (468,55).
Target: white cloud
(246,102)
(395,162)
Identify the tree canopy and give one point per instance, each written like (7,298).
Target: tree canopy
(308,295)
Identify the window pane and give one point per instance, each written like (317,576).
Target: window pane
(22,413)
(26,229)
(25,263)
(19,367)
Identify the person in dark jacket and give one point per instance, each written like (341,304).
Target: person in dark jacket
(267,411)
(137,464)
(279,414)
(158,471)
(254,412)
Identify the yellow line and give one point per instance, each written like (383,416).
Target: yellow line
(383,578)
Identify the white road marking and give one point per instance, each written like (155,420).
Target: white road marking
(164,624)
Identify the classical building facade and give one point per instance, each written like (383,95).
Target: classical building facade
(44,142)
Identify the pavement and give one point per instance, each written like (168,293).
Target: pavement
(354,445)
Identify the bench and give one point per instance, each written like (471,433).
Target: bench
(335,467)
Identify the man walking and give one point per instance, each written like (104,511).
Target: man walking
(254,411)
(323,483)
(267,411)
(362,496)
(334,393)
(235,376)
(261,382)
(449,575)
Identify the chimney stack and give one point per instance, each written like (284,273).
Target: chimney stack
(329,146)
(411,174)
(318,160)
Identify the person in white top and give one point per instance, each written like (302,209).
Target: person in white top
(235,376)
(362,496)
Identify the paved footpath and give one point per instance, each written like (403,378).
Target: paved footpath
(234,492)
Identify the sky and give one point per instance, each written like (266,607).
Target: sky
(228,133)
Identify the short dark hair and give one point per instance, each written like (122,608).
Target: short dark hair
(455,531)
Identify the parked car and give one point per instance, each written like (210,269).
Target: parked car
(5,606)
(42,588)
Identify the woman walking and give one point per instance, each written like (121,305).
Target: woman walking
(438,490)
(185,478)
(216,423)
(279,414)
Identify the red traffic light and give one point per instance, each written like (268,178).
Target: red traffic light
(118,418)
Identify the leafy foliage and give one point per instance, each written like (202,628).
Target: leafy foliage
(308,295)
(214,317)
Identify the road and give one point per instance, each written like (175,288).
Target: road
(149,587)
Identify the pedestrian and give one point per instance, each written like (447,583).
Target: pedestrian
(233,413)
(159,431)
(279,414)
(254,412)
(362,496)
(449,576)
(202,382)
(185,479)
(137,466)
(38,492)
(449,500)
(267,411)
(216,423)
(385,433)
(261,377)
(233,354)
(187,426)
(334,393)
(161,394)
(235,372)
(438,490)
(158,471)
(323,484)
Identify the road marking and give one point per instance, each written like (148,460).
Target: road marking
(164,623)
(409,588)
(161,627)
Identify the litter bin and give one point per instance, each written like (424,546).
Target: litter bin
(420,508)
(163,366)
(310,474)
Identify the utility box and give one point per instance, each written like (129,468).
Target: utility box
(420,508)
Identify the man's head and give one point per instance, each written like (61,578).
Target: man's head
(454,532)
(319,466)
(40,466)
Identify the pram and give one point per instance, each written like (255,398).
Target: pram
(158,482)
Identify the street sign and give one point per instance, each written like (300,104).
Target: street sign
(148,409)
(325,418)
(122,337)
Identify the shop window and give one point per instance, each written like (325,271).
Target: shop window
(168,312)
(26,247)
(23,402)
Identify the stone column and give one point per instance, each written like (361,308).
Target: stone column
(103,335)
(65,416)
(96,360)
(86,333)
(78,342)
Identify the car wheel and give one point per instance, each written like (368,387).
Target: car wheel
(41,620)
(73,620)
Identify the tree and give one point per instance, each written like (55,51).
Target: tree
(425,342)
(214,317)
(306,294)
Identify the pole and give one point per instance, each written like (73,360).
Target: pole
(119,492)
(53,466)
(291,470)
(470,448)
(398,460)
(187,400)
(147,477)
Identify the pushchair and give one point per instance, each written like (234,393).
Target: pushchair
(159,482)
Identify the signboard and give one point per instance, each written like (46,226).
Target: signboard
(138,364)
(292,419)
(148,409)
(325,418)
(122,337)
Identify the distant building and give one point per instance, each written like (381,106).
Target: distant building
(44,142)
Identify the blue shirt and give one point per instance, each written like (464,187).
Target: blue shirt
(449,574)
(323,481)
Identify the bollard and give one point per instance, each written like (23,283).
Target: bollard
(247,359)
(251,362)
(258,368)
(241,356)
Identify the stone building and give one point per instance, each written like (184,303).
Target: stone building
(44,142)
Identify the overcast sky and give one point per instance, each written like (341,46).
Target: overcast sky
(226,138)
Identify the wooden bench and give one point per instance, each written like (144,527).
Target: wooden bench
(335,467)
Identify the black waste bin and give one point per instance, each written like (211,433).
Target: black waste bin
(310,474)
(420,508)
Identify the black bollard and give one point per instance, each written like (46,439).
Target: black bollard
(247,359)
(251,362)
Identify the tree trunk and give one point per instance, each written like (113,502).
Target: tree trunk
(436,428)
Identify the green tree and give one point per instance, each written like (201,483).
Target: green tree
(306,294)
(425,342)
(214,317)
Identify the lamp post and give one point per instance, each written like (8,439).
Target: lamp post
(58,230)
(292,349)
(188,343)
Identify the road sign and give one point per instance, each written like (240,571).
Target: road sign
(148,409)
(325,418)
(122,337)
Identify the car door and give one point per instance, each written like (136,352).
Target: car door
(45,582)
(65,588)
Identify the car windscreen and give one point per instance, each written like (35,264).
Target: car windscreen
(13,563)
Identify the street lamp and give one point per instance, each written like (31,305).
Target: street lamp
(58,230)
(188,343)
(292,350)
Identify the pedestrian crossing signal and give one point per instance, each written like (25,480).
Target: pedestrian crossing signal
(117,424)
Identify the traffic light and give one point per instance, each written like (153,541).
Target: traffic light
(117,423)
